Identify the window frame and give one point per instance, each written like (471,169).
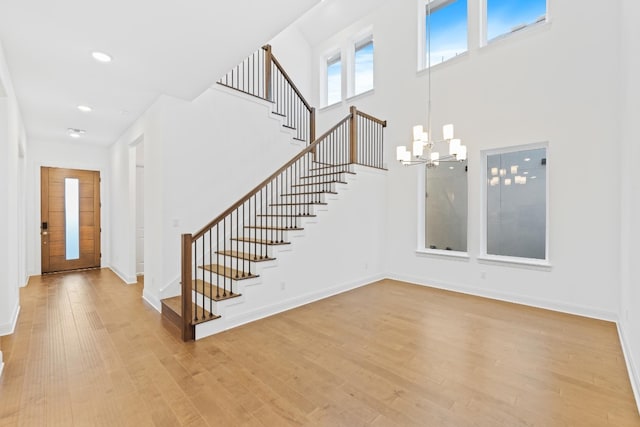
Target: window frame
(422,220)
(358,42)
(326,59)
(483,255)
(422,32)
(484,25)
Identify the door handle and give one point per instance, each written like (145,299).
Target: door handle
(44,233)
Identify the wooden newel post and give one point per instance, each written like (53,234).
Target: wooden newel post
(267,73)
(312,125)
(185,281)
(353,135)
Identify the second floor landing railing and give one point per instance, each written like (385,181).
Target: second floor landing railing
(261,75)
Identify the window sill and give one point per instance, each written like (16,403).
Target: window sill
(524,262)
(443,253)
(361,95)
(448,62)
(331,106)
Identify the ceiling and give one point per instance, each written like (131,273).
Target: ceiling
(158,47)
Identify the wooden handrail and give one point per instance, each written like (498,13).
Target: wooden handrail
(375,119)
(271,177)
(293,86)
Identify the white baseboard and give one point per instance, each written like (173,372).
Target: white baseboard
(129,280)
(152,300)
(578,310)
(634,373)
(10,327)
(225,323)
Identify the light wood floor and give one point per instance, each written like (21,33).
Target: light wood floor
(88,351)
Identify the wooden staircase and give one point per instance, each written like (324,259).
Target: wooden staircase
(226,255)
(212,290)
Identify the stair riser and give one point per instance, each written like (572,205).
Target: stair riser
(218,306)
(307,198)
(274,221)
(317,169)
(313,186)
(293,210)
(255,265)
(337,176)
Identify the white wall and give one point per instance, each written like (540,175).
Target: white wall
(543,84)
(630,187)
(12,158)
(295,55)
(200,157)
(72,155)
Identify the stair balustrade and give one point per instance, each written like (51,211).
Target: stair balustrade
(261,75)
(225,251)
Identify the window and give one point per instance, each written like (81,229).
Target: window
(516,203)
(446,29)
(72,218)
(507,16)
(446,207)
(363,66)
(334,79)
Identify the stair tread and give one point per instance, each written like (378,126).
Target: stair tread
(260,241)
(175,304)
(287,216)
(228,272)
(245,256)
(309,192)
(319,183)
(210,291)
(288,127)
(329,167)
(298,204)
(327,174)
(265,227)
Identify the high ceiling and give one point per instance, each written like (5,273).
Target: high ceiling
(158,47)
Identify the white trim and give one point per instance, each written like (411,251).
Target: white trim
(578,310)
(9,328)
(421,57)
(361,38)
(442,253)
(498,259)
(422,217)
(1,364)
(126,279)
(152,301)
(634,374)
(225,323)
(483,255)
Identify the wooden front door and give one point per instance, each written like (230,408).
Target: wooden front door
(70,219)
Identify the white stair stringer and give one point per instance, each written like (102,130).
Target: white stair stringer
(338,250)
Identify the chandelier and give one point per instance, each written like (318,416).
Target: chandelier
(422,149)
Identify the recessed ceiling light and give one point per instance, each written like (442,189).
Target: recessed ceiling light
(101,56)
(84,108)
(527,159)
(451,167)
(76,133)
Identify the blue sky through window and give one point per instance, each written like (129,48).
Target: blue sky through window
(448,31)
(334,80)
(364,68)
(504,15)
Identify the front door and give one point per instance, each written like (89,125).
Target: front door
(70,219)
